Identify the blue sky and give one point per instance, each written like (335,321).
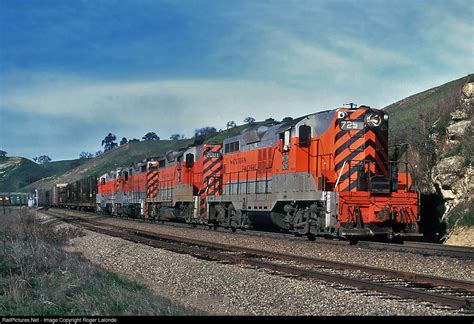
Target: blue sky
(73,71)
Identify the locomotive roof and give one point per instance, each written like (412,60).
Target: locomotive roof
(291,123)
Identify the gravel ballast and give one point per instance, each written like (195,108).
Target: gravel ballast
(430,265)
(224,289)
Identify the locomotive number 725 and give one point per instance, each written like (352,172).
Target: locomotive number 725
(348,124)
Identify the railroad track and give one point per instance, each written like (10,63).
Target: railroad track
(456,294)
(462,252)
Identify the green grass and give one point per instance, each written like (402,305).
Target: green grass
(132,153)
(59,167)
(26,171)
(122,156)
(405,113)
(38,278)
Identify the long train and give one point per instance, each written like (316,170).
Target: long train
(324,174)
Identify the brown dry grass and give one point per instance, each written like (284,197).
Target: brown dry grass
(37,277)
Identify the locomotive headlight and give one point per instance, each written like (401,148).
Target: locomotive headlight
(373,120)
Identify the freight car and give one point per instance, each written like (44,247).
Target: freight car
(14,199)
(19,199)
(4,199)
(80,194)
(325,174)
(43,197)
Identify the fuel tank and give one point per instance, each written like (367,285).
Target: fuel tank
(269,221)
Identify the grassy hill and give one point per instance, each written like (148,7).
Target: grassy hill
(121,156)
(18,172)
(127,155)
(405,113)
(421,121)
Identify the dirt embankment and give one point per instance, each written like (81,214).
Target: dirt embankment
(463,236)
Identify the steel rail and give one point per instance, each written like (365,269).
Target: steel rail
(464,252)
(422,248)
(175,244)
(413,277)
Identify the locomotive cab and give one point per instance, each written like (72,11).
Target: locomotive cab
(376,198)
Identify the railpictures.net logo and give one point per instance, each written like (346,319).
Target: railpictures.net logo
(57,320)
(20,320)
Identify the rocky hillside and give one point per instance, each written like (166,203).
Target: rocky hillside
(435,128)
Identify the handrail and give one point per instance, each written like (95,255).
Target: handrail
(340,174)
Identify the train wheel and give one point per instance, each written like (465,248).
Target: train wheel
(311,237)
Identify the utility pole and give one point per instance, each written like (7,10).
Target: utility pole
(37,203)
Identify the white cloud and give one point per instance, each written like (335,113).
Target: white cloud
(369,54)
(162,104)
(451,37)
(180,106)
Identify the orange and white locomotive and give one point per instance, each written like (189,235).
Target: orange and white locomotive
(324,174)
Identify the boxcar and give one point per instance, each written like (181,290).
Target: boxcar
(43,197)
(79,194)
(18,199)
